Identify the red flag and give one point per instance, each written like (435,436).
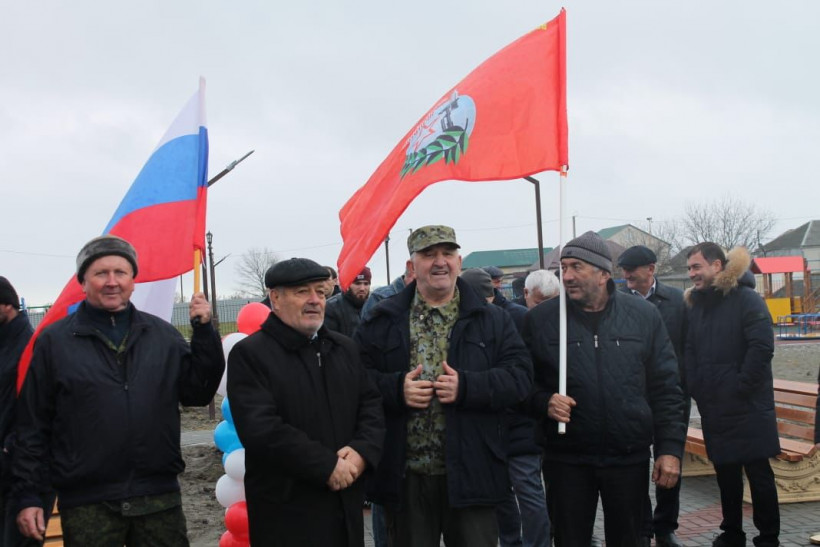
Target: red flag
(507,119)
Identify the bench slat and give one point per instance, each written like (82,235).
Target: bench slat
(795,430)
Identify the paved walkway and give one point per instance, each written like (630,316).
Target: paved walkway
(700,517)
(700,510)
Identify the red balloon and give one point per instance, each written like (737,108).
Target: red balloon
(230,540)
(251,317)
(236,519)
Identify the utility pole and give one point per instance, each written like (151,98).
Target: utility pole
(573,226)
(387,256)
(649,220)
(537,185)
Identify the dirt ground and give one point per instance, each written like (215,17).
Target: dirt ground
(797,361)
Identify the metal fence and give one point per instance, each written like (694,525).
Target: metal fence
(227,311)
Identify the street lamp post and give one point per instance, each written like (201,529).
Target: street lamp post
(214,314)
(538,220)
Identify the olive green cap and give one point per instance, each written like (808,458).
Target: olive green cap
(427,236)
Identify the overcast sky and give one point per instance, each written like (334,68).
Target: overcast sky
(668,102)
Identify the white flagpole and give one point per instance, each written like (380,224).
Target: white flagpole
(562,295)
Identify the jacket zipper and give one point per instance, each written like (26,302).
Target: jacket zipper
(601,397)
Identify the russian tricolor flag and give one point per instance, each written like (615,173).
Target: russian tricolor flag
(162,215)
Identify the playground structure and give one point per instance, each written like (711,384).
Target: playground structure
(789,304)
(795,316)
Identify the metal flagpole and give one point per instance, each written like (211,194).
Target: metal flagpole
(562,295)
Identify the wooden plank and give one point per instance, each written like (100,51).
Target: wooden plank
(797,431)
(795,387)
(804,400)
(797,415)
(798,447)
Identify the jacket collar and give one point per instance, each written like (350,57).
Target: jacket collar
(14,328)
(290,338)
(399,304)
(735,273)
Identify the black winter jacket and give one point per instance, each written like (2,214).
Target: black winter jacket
(342,315)
(624,379)
(13,339)
(295,403)
(494,373)
(729,351)
(669,302)
(107,427)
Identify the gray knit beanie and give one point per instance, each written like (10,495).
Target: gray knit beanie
(590,248)
(104,246)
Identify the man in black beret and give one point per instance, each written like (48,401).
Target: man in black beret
(308,415)
(98,417)
(638,264)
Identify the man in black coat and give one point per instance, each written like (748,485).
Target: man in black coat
(98,415)
(623,395)
(308,415)
(15,332)
(447,364)
(729,348)
(343,311)
(638,264)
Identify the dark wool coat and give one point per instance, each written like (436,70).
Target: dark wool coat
(624,379)
(295,403)
(103,426)
(494,373)
(728,358)
(13,339)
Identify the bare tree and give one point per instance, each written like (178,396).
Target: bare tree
(728,221)
(251,270)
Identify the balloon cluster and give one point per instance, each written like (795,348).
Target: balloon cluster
(230,488)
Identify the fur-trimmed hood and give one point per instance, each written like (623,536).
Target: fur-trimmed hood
(735,272)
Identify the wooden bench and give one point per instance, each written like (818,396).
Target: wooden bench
(797,468)
(54,530)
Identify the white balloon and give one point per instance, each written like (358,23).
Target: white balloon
(229,491)
(235,465)
(228,342)
(223,384)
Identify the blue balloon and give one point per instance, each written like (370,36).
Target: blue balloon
(225,437)
(226,411)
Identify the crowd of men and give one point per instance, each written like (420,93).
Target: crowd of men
(435,398)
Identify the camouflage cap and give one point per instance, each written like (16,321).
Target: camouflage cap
(427,236)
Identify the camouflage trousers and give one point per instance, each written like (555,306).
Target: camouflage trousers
(101,525)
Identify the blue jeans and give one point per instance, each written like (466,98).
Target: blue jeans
(378,525)
(522,517)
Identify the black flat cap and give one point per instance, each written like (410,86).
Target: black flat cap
(296,271)
(637,256)
(495,272)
